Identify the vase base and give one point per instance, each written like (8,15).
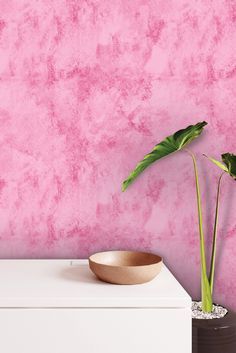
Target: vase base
(214,335)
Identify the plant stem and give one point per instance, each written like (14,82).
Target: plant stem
(213,254)
(205,286)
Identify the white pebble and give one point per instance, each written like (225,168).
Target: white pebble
(217,312)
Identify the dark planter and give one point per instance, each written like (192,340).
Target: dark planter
(214,336)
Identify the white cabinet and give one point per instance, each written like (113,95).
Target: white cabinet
(59,306)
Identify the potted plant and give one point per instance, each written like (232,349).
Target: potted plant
(214,327)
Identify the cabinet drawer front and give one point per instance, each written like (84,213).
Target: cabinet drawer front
(95,330)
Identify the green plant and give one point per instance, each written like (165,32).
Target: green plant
(229,167)
(173,143)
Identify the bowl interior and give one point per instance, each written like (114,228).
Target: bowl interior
(125,258)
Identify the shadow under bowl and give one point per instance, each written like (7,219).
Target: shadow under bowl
(125,267)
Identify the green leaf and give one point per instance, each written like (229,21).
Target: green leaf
(219,164)
(171,144)
(229,160)
(229,165)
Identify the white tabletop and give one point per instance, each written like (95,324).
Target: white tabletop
(71,284)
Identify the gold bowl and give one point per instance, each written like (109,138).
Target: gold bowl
(125,267)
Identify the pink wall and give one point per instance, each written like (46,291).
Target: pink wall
(86,89)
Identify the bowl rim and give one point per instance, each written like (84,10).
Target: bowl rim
(158,261)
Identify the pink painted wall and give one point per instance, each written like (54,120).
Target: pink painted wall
(86,89)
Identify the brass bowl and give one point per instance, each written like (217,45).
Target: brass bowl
(125,267)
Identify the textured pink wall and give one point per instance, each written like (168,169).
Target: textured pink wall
(86,89)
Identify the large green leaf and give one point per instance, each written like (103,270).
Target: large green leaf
(229,166)
(229,160)
(171,144)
